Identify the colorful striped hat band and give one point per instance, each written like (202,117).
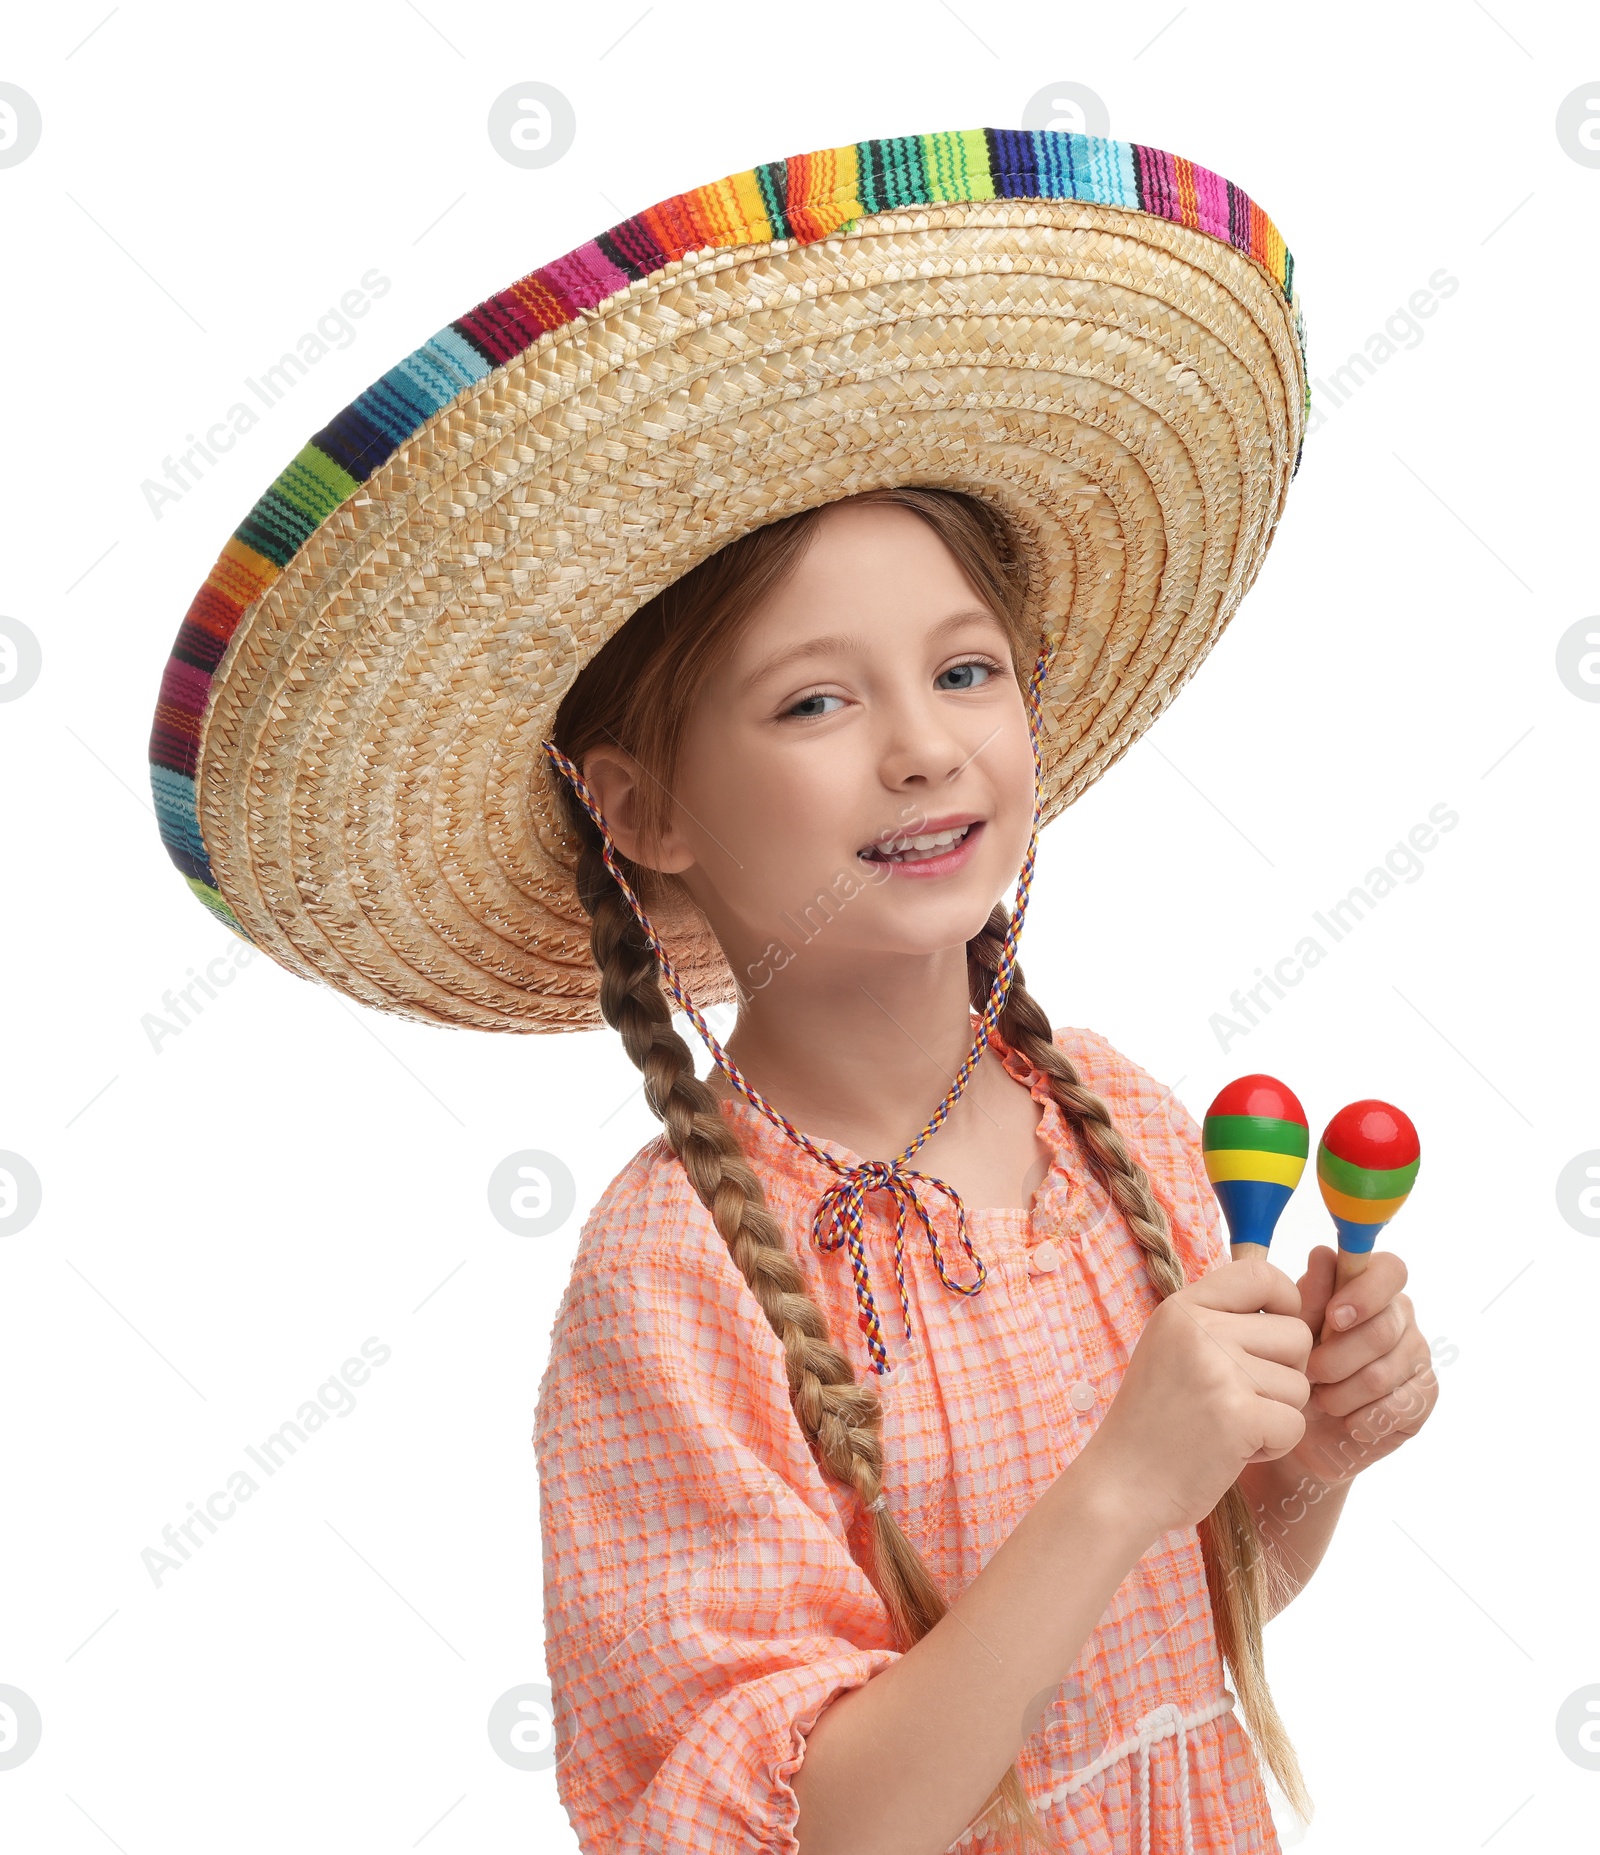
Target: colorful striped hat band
(842,1207)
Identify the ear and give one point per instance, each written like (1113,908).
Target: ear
(617,780)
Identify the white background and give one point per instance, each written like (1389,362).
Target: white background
(226,1217)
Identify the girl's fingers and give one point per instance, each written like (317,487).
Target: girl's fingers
(1336,1356)
(1378,1283)
(1385,1424)
(1376,1380)
(1281,1383)
(1281,1337)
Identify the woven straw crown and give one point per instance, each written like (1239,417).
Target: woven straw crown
(1101,338)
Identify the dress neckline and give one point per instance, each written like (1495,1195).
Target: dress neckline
(756,1132)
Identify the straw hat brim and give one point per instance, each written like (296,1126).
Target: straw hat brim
(365,796)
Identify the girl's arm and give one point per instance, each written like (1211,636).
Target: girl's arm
(902,1763)
(1296,1514)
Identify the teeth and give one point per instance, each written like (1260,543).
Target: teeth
(924,844)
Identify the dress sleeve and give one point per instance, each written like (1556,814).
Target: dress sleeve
(1164,1137)
(701,1602)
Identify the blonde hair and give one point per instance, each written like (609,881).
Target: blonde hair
(636,693)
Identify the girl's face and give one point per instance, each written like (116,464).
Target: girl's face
(856,776)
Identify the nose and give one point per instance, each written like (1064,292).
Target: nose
(922,746)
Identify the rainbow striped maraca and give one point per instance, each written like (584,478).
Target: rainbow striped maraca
(1366,1164)
(1255,1139)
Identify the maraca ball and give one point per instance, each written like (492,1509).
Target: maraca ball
(1255,1140)
(1367,1163)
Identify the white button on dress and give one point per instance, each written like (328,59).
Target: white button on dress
(1043,1257)
(1082,1395)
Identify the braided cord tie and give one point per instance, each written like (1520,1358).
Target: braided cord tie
(839,1215)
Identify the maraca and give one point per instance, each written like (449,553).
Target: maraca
(1255,1139)
(1366,1164)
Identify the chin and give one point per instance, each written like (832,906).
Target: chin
(929,925)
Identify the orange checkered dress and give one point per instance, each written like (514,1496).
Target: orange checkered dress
(703,1597)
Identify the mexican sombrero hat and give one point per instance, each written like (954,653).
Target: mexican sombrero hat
(1099,337)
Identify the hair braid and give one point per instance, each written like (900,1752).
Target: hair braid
(1239,1574)
(842,1419)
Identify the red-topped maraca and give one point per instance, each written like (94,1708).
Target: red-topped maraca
(1366,1164)
(1255,1140)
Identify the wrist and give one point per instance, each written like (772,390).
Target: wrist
(1286,1483)
(1093,1485)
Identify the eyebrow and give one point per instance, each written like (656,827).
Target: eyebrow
(820,647)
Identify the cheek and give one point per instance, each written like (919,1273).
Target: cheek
(764,827)
(1014,779)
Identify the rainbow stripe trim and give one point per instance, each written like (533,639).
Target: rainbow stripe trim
(803,198)
(1254,1162)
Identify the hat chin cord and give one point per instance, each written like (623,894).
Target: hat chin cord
(840,1213)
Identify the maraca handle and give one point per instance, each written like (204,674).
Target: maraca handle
(1349,1265)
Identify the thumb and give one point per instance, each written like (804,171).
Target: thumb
(1316,1286)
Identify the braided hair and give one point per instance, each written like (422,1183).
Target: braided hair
(638,687)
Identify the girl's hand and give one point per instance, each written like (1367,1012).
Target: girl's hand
(1372,1383)
(1216,1381)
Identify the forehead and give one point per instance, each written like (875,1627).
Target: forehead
(877,572)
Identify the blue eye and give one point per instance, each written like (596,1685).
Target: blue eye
(968,675)
(805,708)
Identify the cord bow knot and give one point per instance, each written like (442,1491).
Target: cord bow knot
(842,1211)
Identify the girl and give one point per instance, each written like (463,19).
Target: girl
(841,693)
(718,613)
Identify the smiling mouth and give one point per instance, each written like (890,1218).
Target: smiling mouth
(915,849)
